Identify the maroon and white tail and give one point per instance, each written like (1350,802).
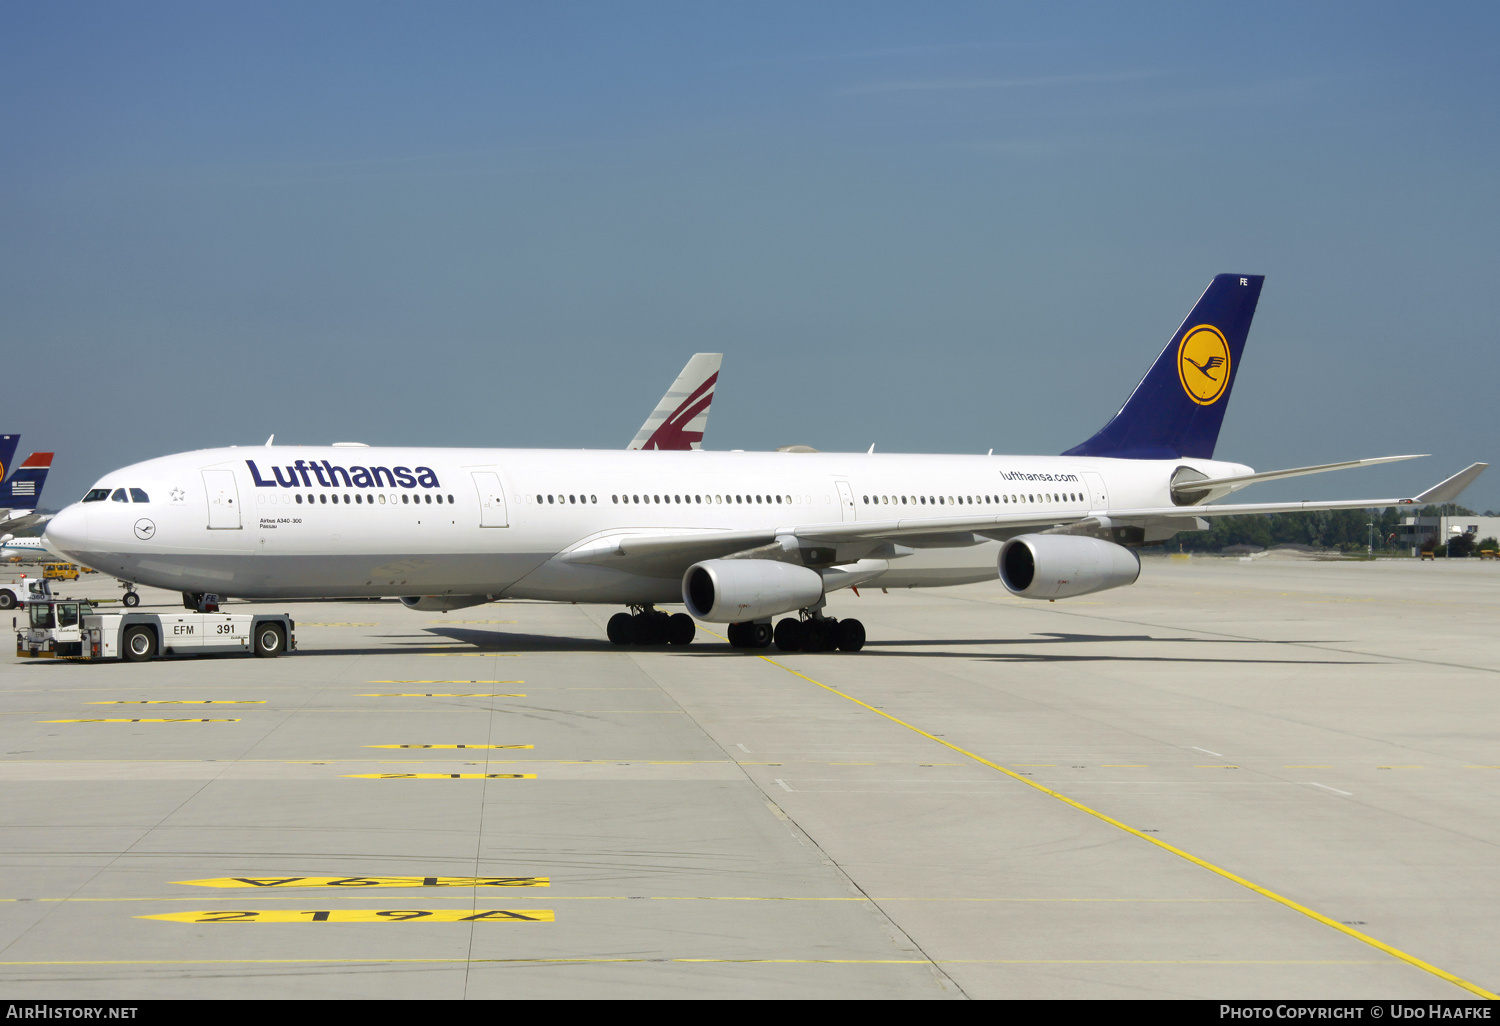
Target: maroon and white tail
(679,420)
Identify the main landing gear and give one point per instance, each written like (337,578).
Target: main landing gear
(820,634)
(650,626)
(815,634)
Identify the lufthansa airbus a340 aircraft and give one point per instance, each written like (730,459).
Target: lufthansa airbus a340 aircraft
(737,537)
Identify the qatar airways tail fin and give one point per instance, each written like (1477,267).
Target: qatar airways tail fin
(679,420)
(24,489)
(1178,407)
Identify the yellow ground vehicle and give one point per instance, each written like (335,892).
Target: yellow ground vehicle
(60,571)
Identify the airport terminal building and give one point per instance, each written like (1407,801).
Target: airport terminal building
(1414,532)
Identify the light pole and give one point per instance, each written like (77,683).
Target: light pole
(1371,526)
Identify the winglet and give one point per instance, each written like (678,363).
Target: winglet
(1452,488)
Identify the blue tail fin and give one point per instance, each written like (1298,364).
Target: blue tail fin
(24,489)
(8,445)
(1179,405)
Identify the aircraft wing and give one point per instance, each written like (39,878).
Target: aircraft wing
(669,554)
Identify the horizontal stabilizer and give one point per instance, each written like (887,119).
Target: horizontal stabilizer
(1187,489)
(1452,488)
(21,519)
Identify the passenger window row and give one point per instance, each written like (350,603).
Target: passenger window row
(365,500)
(969,500)
(702,500)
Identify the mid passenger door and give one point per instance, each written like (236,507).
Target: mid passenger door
(846,501)
(492,512)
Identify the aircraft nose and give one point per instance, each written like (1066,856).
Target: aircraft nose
(67,534)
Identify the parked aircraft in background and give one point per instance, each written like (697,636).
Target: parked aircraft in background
(8,444)
(21,493)
(33,549)
(681,418)
(737,537)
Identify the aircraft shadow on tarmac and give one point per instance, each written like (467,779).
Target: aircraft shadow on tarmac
(504,641)
(1056,638)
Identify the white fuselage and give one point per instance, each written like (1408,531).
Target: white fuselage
(291,521)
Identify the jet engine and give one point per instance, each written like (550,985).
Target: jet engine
(442,603)
(1054,566)
(734,590)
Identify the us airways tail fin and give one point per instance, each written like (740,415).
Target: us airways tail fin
(679,420)
(8,445)
(1178,407)
(24,489)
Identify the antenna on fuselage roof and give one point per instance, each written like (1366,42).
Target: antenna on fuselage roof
(271,439)
(871,449)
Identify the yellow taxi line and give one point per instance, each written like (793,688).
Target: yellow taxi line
(1226,874)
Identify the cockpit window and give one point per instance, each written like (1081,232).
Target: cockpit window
(139,495)
(119,495)
(96,495)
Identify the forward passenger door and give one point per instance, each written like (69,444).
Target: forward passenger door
(223,500)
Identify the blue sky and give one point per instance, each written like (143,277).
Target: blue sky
(931,227)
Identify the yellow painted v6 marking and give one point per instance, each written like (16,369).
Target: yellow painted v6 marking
(448,746)
(370,881)
(362,915)
(430,694)
(440,776)
(140,721)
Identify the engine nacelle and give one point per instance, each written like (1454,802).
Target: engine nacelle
(732,590)
(1054,566)
(442,603)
